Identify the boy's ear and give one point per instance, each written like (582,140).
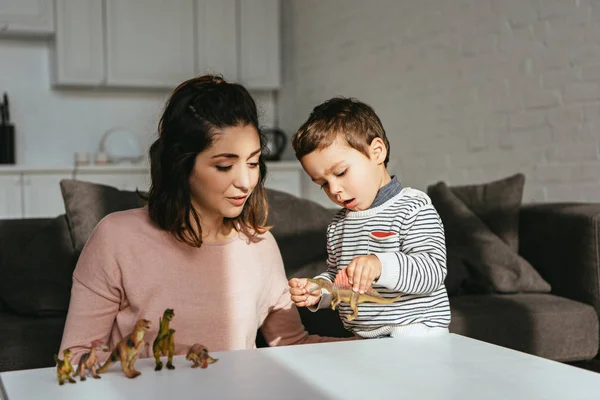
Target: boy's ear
(378,150)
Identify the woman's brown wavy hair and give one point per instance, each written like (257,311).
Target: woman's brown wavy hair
(196,109)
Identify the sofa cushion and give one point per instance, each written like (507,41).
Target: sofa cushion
(87,203)
(300,228)
(36,273)
(537,323)
(497,204)
(478,260)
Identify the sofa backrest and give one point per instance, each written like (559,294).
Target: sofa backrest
(37,256)
(36,265)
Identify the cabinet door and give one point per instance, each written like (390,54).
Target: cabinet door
(26,17)
(288,181)
(260,44)
(149,43)
(10,196)
(78,51)
(42,197)
(216,38)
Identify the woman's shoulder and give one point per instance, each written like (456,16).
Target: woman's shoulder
(124,221)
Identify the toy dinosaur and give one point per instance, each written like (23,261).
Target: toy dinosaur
(90,361)
(198,354)
(341,291)
(64,369)
(164,344)
(127,350)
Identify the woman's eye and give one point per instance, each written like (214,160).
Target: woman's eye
(341,173)
(253,165)
(223,168)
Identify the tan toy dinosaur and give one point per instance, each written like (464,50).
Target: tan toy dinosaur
(64,369)
(341,291)
(198,354)
(164,344)
(89,361)
(128,350)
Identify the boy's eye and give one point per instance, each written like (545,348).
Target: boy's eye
(324,185)
(223,168)
(341,173)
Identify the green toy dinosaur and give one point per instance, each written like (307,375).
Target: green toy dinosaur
(344,293)
(164,344)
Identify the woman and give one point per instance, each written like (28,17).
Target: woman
(199,247)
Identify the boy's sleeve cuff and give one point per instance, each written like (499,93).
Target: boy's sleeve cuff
(390,270)
(323,303)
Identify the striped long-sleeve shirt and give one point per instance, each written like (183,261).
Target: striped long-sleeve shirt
(407,235)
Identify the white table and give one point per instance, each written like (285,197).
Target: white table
(449,367)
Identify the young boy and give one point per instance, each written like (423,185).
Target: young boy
(385,235)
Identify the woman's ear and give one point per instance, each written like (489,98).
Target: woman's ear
(378,150)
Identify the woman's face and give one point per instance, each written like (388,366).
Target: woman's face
(225,174)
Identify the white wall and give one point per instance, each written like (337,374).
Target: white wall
(54,124)
(468,90)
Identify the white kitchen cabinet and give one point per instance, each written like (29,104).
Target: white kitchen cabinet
(285,177)
(217,38)
(122,179)
(149,43)
(78,49)
(11,205)
(41,194)
(26,17)
(260,41)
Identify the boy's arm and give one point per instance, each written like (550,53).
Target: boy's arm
(420,266)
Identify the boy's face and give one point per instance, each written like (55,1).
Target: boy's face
(348,177)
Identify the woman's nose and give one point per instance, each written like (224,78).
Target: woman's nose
(242,178)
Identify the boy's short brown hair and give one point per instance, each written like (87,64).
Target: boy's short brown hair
(355,121)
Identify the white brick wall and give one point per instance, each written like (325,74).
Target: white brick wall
(468,90)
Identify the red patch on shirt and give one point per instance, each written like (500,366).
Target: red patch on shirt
(382,234)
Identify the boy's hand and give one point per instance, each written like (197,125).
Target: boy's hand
(300,293)
(362,272)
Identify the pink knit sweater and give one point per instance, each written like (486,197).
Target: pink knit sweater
(221,293)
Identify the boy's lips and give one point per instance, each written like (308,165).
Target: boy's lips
(350,203)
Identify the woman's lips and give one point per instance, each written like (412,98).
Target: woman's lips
(237,201)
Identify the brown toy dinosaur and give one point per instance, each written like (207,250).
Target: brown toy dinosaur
(198,354)
(164,344)
(64,369)
(89,361)
(341,291)
(127,350)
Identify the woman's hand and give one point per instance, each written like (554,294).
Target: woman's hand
(303,295)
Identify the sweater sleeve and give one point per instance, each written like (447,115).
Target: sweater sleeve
(283,325)
(96,296)
(420,265)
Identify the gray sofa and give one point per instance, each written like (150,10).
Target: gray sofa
(562,241)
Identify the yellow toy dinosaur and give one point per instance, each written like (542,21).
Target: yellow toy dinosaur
(127,350)
(341,291)
(64,369)
(164,344)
